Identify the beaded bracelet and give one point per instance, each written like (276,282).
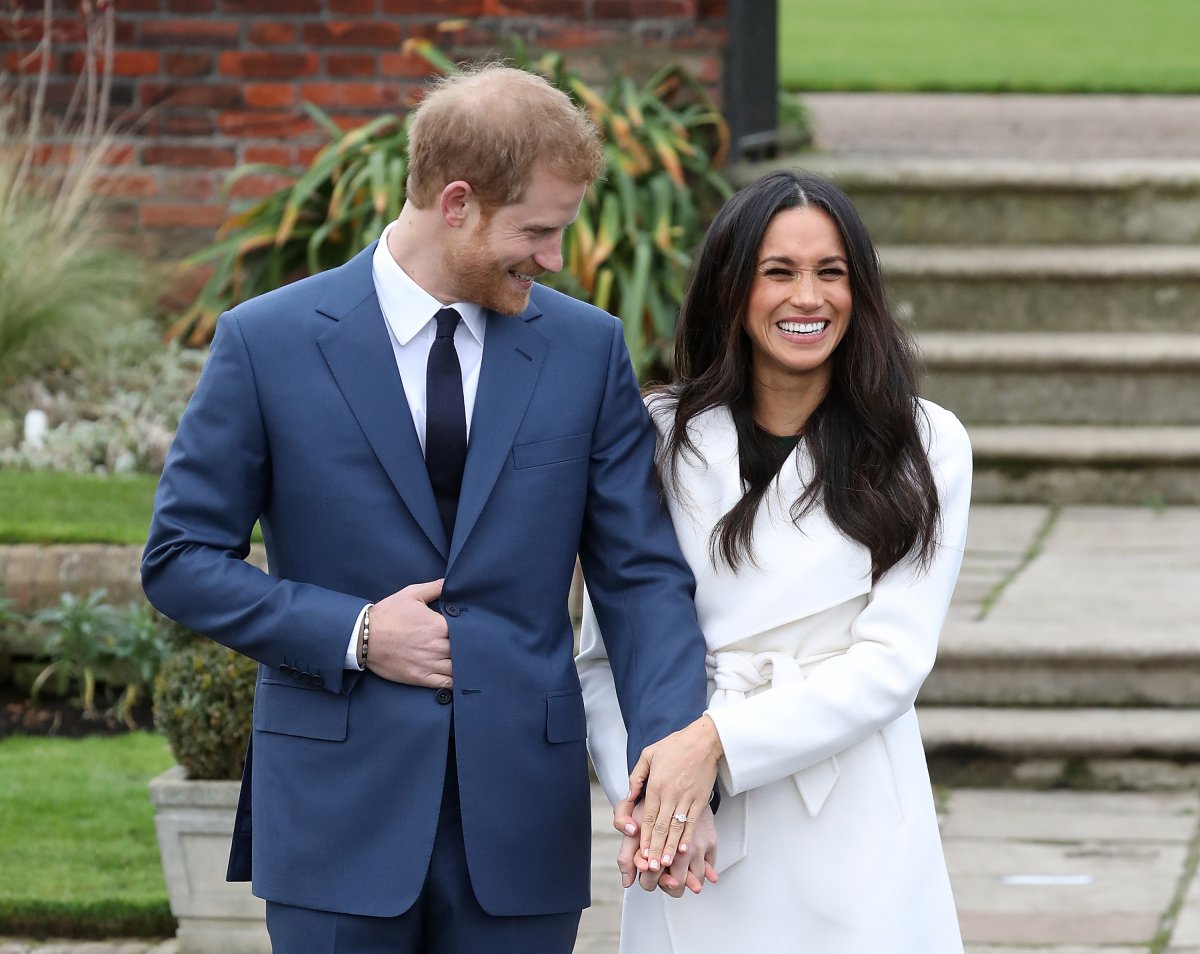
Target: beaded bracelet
(366,632)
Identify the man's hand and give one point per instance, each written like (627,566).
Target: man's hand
(693,864)
(410,642)
(678,774)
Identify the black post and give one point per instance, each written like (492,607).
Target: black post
(752,78)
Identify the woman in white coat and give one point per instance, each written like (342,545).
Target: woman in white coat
(823,509)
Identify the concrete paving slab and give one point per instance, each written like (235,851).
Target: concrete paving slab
(1111,572)
(1044,932)
(1187,925)
(1071,816)
(1027,732)
(1057,949)
(1074,880)
(1002,126)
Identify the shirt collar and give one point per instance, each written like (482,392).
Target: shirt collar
(406,306)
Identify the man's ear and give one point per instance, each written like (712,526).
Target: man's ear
(457,202)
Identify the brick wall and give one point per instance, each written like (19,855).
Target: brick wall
(217,83)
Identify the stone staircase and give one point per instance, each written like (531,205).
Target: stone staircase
(1057,305)
(1056,301)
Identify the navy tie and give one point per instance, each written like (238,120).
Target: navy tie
(445,419)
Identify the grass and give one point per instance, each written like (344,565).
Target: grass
(45,507)
(49,507)
(1113,46)
(78,855)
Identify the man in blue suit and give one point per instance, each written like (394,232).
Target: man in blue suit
(428,438)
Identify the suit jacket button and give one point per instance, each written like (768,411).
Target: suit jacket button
(452,609)
(443,696)
(306,677)
(285,669)
(318,680)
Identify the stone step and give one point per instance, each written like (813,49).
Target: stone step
(1086,464)
(1117,288)
(1046,732)
(989,664)
(905,200)
(1054,378)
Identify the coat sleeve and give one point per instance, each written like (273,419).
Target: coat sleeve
(894,641)
(641,587)
(607,739)
(212,491)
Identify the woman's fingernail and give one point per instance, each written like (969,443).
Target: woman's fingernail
(645,852)
(653,864)
(683,848)
(630,829)
(666,860)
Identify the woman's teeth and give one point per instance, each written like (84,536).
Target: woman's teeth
(802,328)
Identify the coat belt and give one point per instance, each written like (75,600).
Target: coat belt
(736,676)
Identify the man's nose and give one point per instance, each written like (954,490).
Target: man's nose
(550,258)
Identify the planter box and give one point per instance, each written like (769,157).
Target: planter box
(194,820)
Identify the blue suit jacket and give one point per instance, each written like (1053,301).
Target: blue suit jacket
(300,421)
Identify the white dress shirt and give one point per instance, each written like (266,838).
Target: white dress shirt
(409,312)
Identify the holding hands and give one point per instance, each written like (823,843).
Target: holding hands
(670,837)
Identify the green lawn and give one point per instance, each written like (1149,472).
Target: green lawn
(991,45)
(78,855)
(47,507)
(42,507)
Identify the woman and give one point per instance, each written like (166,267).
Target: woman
(823,509)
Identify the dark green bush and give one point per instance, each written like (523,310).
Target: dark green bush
(203,700)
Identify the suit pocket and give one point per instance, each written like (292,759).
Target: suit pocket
(307,713)
(565,719)
(541,453)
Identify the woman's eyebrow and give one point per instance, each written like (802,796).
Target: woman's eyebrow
(787,260)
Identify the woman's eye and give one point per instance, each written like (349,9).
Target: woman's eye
(833,274)
(778,273)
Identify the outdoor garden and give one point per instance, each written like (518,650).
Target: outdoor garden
(95,371)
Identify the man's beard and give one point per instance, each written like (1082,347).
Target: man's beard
(480,278)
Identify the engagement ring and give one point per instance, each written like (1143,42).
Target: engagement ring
(681,818)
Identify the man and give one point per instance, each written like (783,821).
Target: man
(424,477)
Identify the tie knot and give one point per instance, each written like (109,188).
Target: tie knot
(447,320)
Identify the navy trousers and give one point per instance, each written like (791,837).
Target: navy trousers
(446,918)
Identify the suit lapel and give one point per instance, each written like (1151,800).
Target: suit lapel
(359,353)
(512,359)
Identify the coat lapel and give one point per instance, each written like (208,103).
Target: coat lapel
(512,359)
(359,353)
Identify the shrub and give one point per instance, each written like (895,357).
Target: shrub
(203,699)
(628,252)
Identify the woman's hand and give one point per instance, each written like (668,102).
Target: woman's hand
(691,868)
(678,774)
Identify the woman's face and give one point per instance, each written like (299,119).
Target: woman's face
(800,300)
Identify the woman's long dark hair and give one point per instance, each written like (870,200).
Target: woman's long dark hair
(871,472)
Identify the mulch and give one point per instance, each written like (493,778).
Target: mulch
(63,718)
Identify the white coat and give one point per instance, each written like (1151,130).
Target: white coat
(828,835)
